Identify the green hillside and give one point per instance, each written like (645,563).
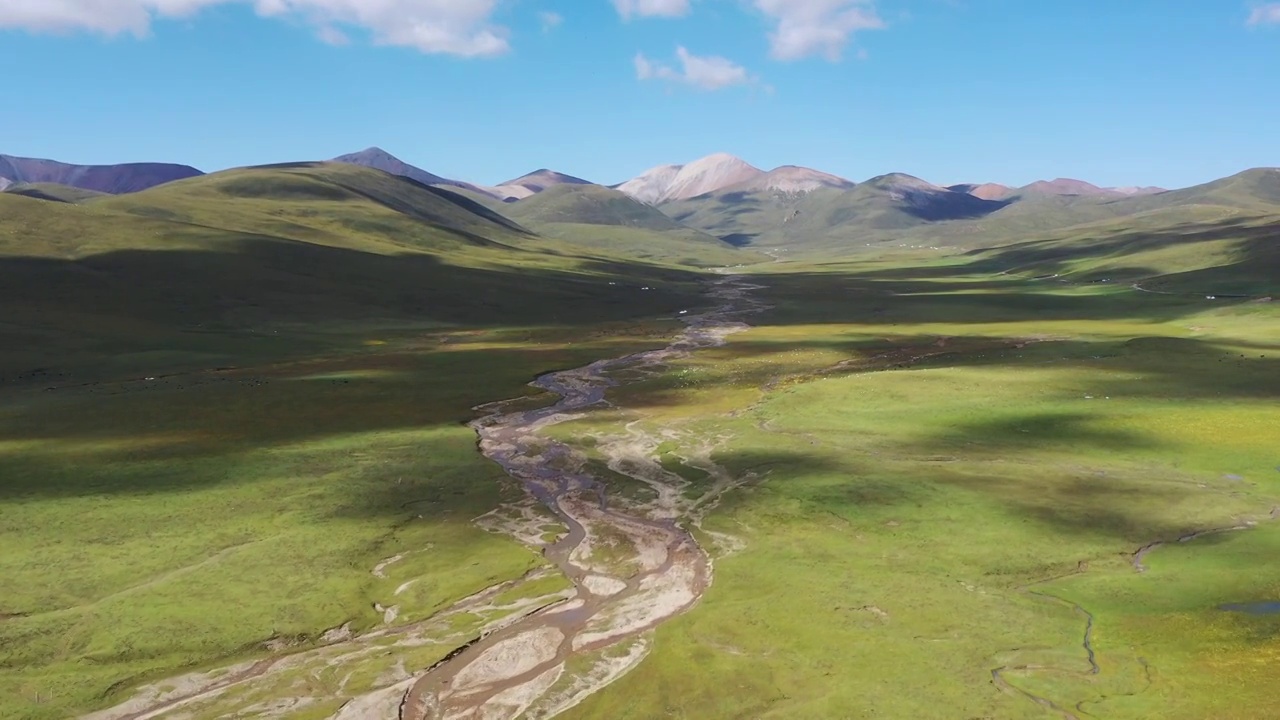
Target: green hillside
(191,374)
(828,220)
(682,247)
(746,218)
(1249,194)
(327,203)
(902,211)
(1173,250)
(484,199)
(1256,190)
(233,409)
(588,205)
(593,219)
(53,192)
(251,251)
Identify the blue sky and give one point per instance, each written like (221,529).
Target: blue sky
(1117,92)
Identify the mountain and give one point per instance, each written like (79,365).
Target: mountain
(681,182)
(1240,198)
(1256,190)
(901,200)
(380,159)
(878,209)
(1059,187)
(985,191)
(240,255)
(721,173)
(1065,186)
(588,204)
(790,179)
(593,218)
(113,179)
(709,174)
(331,203)
(535,182)
(1134,191)
(652,185)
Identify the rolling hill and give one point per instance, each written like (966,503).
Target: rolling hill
(1065,186)
(828,217)
(1178,250)
(330,203)
(114,179)
(534,183)
(594,217)
(1257,189)
(235,341)
(1249,194)
(790,180)
(904,210)
(1052,188)
(319,244)
(52,191)
(588,204)
(379,159)
(302,346)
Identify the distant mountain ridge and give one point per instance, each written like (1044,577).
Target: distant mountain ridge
(1132,191)
(112,179)
(792,179)
(589,204)
(681,182)
(511,190)
(711,202)
(1059,187)
(722,172)
(1062,186)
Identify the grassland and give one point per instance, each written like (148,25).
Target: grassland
(225,402)
(155,525)
(958,470)
(232,410)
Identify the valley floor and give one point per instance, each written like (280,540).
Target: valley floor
(963,494)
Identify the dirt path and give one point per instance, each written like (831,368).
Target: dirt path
(632,565)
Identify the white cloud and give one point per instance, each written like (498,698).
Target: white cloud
(647,70)
(550,20)
(651,8)
(454,27)
(331,35)
(706,72)
(1265,14)
(110,17)
(817,27)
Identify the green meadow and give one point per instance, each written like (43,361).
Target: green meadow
(226,402)
(1010,481)
(956,470)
